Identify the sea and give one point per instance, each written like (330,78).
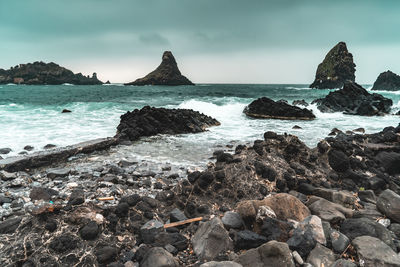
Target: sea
(31,115)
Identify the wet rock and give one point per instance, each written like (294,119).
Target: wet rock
(232,219)
(10,225)
(268,109)
(389,204)
(354,228)
(328,211)
(150,229)
(373,252)
(66,111)
(337,68)
(38,193)
(321,256)
(63,243)
(354,100)
(106,254)
(272,253)
(211,239)
(166,74)
(338,160)
(89,231)
(221,264)
(387,81)
(5,150)
(158,257)
(247,239)
(296,127)
(177,215)
(150,121)
(55,173)
(28,148)
(77,197)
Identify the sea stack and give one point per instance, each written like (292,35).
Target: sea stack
(387,81)
(166,74)
(337,68)
(38,73)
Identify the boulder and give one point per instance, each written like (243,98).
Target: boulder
(339,241)
(272,253)
(150,230)
(354,100)
(211,239)
(266,108)
(337,68)
(373,252)
(150,121)
(158,257)
(166,74)
(387,81)
(389,204)
(45,73)
(328,211)
(232,219)
(321,256)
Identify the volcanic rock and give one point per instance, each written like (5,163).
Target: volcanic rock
(44,73)
(337,68)
(150,121)
(387,81)
(266,108)
(166,74)
(354,100)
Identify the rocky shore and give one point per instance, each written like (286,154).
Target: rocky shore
(276,202)
(39,73)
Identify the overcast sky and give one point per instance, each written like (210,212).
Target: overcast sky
(214,41)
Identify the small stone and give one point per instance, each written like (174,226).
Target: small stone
(177,215)
(77,197)
(247,239)
(89,231)
(158,257)
(7,176)
(122,209)
(343,263)
(384,222)
(106,254)
(297,257)
(339,241)
(150,229)
(221,264)
(38,193)
(232,219)
(28,148)
(321,256)
(57,173)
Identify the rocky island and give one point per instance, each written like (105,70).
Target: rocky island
(337,68)
(38,73)
(387,81)
(354,100)
(167,73)
(266,108)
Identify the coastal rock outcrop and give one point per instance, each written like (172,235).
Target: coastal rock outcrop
(387,81)
(266,108)
(337,68)
(150,121)
(167,73)
(44,73)
(354,100)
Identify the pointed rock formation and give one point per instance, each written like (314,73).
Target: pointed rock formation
(387,81)
(354,100)
(44,73)
(166,74)
(337,68)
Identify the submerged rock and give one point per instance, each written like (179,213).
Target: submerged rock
(337,68)
(166,74)
(387,81)
(268,109)
(354,100)
(150,121)
(44,73)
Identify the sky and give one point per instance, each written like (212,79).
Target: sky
(214,41)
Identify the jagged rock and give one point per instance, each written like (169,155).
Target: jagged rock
(390,161)
(152,121)
(66,111)
(338,160)
(272,253)
(266,108)
(177,215)
(179,241)
(211,239)
(77,197)
(158,257)
(301,102)
(321,256)
(354,100)
(44,73)
(373,252)
(387,81)
(337,68)
(166,74)
(389,204)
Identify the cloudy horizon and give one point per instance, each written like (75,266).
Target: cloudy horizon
(213,41)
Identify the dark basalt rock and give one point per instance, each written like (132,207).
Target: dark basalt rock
(354,100)
(44,73)
(166,74)
(387,81)
(150,121)
(268,109)
(337,68)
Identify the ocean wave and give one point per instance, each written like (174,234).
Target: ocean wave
(298,88)
(384,92)
(68,84)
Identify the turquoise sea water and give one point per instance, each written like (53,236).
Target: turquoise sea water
(31,115)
